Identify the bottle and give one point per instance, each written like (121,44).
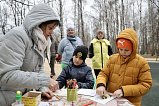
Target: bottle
(18,99)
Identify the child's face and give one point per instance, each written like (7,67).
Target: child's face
(77,60)
(124,52)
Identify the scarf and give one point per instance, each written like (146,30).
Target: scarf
(71,38)
(42,41)
(73,41)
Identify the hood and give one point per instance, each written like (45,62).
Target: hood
(38,14)
(102,31)
(131,35)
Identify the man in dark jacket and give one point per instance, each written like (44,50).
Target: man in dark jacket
(53,51)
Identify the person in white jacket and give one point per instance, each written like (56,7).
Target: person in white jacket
(23,51)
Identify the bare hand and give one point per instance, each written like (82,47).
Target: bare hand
(56,56)
(118,93)
(53,85)
(47,94)
(76,86)
(101,90)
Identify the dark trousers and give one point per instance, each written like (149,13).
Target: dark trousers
(52,64)
(96,72)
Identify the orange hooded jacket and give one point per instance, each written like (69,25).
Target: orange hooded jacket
(132,74)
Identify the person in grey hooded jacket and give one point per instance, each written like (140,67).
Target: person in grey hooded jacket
(67,45)
(22,55)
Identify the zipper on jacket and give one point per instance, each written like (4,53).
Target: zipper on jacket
(101,54)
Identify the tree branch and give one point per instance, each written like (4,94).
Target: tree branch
(22,3)
(154,3)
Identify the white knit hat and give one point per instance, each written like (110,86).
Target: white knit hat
(70,25)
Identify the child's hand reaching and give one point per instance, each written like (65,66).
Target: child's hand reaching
(118,93)
(101,90)
(76,86)
(72,84)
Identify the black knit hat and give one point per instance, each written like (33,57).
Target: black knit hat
(81,51)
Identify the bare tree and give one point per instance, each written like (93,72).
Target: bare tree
(116,17)
(18,10)
(61,18)
(110,15)
(150,9)
(82,22)
(122,26)
(3,19)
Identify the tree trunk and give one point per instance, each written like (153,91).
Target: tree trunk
(117,20)
(82,23)
(79,22)
(61,19)
(150,20)
(122,26)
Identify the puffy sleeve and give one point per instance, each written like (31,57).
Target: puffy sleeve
(103,76)
(144,82)
(13,47)
(91,53)
(89,81)
(62,78)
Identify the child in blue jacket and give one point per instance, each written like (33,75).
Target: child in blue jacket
(77,69)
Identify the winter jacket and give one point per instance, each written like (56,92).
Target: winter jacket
(67,46)
(132,74)
(21,63)
(99,51)
(53,47)
(82,73)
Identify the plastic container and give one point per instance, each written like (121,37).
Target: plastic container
(18,99)
(71,94)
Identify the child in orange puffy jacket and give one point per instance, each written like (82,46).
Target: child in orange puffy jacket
(127,74)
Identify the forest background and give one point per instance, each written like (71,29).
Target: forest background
(88,16)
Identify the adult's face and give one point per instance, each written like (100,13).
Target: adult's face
(70,32)
(48,29)
(100,35)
